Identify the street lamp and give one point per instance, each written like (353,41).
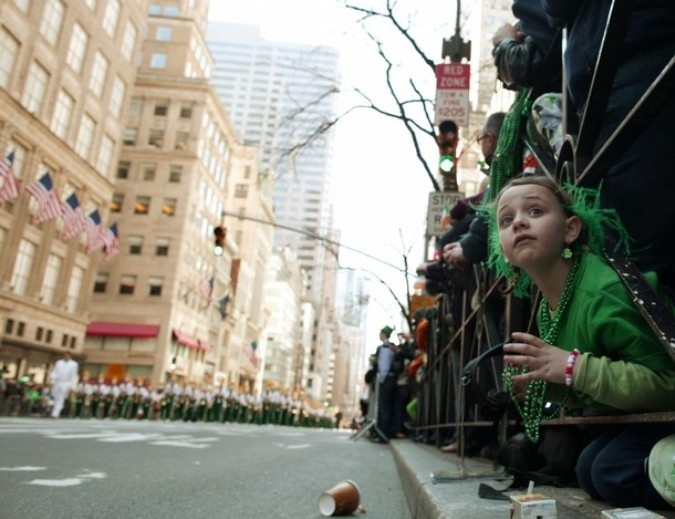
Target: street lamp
(219,242)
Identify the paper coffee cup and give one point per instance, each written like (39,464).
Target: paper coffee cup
(342,499)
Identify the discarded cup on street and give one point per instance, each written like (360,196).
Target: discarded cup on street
(342,499)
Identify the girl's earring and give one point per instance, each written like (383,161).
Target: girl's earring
(566,253)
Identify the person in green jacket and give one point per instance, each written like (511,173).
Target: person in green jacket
(594,349)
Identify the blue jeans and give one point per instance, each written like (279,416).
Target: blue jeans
(612,467)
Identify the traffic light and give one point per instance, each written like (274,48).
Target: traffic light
(447,140)
(219,241)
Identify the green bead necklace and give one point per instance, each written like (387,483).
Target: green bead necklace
(532,409)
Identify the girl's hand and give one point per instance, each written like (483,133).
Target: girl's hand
(544,362)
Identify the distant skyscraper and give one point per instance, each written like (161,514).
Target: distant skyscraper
(279,96)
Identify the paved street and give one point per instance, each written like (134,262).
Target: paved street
(117,469)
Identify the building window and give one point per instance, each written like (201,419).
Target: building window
(155,288)
(149,172)
(77,48)
(162,247)
(73,340)
(50,24)
(129,41)
(22,267)
(85,136)
(9,48)
(186,112)
(51,278)
(21,329)
(175,173)
(63,112)
(142,205)
(64,340)
(169,206)
(74,289)
(22,5)
(105,155)
(156,138)
(38,333)
(241,191)
(158,60)
(161,109)
(9,326)
(117,97)
(181,140)
(127,285)
(163,33)
(123,168)
(98,74)
(116,203)
(101,283)
(111,16)
(35,88)
(130,136)
(135,245)
(135,106)
(49,336)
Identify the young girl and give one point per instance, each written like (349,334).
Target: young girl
(594,349)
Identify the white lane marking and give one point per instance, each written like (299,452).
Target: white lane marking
(93,475)
(68,482)
(80,436)
(22,469)
(190,443)
(129,437)
(302,446)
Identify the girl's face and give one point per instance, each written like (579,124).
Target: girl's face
(533,227)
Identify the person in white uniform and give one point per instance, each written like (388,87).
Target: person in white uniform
(63,378)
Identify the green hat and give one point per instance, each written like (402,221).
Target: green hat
(387,330)
(662,468)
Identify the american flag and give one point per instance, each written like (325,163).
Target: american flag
(94,231)
(73,217)
(111,241)
(206,289)
(10,187)
(249,349)
(49,205)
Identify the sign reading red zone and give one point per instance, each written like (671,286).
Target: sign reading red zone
(452,93)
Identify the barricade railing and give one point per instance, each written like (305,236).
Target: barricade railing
(460,331)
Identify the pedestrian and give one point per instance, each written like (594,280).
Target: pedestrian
(594,350)
(386,380)
(63,379)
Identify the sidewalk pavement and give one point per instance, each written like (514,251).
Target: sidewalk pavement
(456,496)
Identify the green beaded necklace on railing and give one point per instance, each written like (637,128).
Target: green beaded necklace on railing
(508,157)
(532,409)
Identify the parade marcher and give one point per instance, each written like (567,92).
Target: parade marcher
(63,378)
(79,395)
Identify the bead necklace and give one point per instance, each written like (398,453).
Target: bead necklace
(532,408)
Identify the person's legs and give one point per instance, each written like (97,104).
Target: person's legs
(386,406)
(59,394)
(612,467)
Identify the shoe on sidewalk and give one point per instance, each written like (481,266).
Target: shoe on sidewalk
(450,448)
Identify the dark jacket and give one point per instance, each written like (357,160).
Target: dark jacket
(651,26)
(521,63)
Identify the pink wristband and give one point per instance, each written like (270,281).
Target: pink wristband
(569,367)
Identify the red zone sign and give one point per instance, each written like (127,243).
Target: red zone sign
(452,93)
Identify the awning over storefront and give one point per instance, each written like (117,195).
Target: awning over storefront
(190,341)
(107,329)
(185,339)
